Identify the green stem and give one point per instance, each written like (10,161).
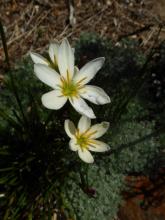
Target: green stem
(83,182)
(2,33)
(17,98)
(9,119)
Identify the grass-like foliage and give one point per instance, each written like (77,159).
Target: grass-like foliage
(39,175)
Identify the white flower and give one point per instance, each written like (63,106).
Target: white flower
(70,84)
(83,139)
(53,55)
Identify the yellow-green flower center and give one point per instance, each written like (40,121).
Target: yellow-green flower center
(82,141)
(69,88)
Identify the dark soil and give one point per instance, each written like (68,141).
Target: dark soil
(31,25)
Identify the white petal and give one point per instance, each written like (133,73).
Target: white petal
(85,155)
(66,59)
(73,146)
(69,128)
(98,146)
(76,70)
(73,49)
(88,71)
(53,100)
(98,130)
(81,106)
(37,58)
(95,95)
(84,124)
(53,51)
(47,75)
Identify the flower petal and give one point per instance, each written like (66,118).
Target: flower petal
(73,50)
(98,130)
(66,59)
(53,100)
(37,58)
(73,146)
(76,70)
(81,106)
(95,95)
(85,155)
(53,51)
(47,75)
(98,146)
(70,128)
(84,124)
(88,71)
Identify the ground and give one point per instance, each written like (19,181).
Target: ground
(31,25)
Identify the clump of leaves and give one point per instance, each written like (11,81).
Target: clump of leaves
(39,174)
(34,149)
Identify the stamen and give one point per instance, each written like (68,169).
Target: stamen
(92,141)
(68,78)
(86,131)
(90,134)
(83,139)
(92,146)
(81,80)
(80,86)
(62,79)
(77,132)
(69,88)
